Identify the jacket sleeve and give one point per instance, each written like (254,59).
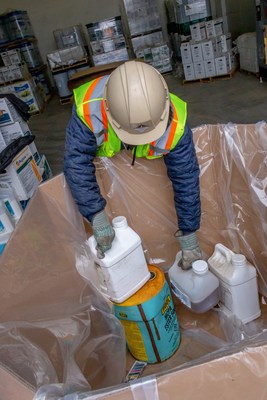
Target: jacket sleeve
(183,171)
(79,169)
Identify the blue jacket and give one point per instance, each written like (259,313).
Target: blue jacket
(182,169)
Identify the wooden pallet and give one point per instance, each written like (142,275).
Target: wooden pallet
(229,75)
(82,62)
(66,100)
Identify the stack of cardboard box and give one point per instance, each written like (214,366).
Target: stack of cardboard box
(209,52)
(20,178)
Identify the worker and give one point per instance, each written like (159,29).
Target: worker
(132,108)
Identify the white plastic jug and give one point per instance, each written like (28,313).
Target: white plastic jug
(123,270)
(238,283)
(197,288)
(11,202)
(6,223)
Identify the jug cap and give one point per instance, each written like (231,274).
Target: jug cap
(200,267)
(120,222)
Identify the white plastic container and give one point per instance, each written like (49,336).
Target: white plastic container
(11,203)
(6,224)
(197,288)
(238,283)
(123,270)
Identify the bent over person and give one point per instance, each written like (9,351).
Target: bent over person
(132,108)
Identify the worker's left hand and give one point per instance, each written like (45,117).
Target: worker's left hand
(103,233)
(190,249)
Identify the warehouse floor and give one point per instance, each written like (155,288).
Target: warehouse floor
(241,99)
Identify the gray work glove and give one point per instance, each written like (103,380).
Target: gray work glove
(103,233)
(190,249)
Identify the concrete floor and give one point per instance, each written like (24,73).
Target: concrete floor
(241,99)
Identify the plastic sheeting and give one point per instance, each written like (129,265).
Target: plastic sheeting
(233,196)
(54,327)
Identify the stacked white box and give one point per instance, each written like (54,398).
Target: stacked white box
(214,28)
(189,72)
(198,31)
(208,43)
(199,68)
(186,53)
(196,51)
(210,69)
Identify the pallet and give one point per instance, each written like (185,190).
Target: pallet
(65,100)
(82,62)
(229,75)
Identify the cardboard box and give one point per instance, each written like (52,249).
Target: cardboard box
(198,31)
(199,69)
(208,49)
(186,53)
(107,58)
(22,174)
(196,50)
(48,303)
(222,65)
(214,27)
(224,43)
(210,69)
(11,57)
(189,72)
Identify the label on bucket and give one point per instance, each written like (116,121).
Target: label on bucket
(151,328)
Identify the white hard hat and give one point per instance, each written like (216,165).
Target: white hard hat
(137,102)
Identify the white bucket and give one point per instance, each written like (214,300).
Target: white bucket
(61,81)
(197,288)
(238,283)
(123,270)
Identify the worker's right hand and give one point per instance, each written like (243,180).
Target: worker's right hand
(103,233)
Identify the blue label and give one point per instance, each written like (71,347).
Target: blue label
(2,228)
(9,207)
(2,246)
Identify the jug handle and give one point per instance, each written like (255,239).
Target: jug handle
(226,252)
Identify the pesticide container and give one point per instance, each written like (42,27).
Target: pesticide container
(19,25)
(149,320)
(197,288)
(61,80)
(6,223)
(31,55)
(11,202)
(124,269)
(238,283)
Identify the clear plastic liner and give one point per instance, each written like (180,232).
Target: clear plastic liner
(56,312)
(54,326)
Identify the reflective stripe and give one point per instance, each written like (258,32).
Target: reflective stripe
(91,110)
(105,120)
(172,130)
(86,103)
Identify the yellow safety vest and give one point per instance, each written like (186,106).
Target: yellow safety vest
(91,110)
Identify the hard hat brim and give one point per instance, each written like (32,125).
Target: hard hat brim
(141,138)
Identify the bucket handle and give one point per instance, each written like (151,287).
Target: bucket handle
(225,251)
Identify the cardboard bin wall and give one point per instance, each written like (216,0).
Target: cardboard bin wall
(46,306)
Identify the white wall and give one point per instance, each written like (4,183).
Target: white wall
(49,15)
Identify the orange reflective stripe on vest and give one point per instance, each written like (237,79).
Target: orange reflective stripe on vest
(168,145)
(104,120)
(86,104)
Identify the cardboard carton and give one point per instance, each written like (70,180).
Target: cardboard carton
(39,283)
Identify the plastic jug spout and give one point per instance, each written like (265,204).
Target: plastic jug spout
(120,222)
(239,260)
